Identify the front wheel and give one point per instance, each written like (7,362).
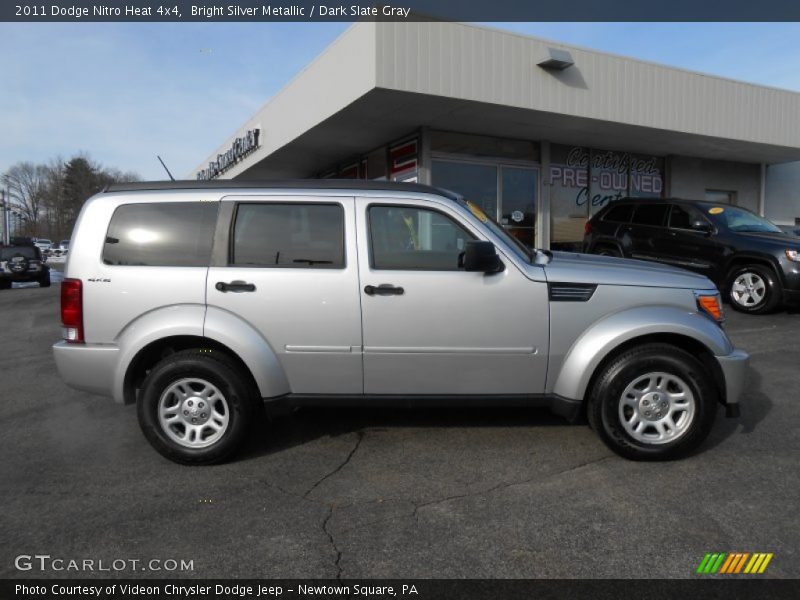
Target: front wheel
(653,402)
(753,289)
(44,281)
(195,407)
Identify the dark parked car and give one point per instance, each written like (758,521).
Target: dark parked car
(753,262)
(22,263)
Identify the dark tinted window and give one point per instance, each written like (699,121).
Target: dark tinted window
(175,234)
(650,214)
(682,217)
(408,238)
(619,214)
(289,235)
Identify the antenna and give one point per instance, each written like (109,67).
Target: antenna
(165,167)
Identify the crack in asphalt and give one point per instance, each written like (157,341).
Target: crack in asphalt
(340,467)
(333,543)
(500,486)
(331,505)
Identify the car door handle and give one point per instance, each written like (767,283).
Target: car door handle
(384,289)
(235,286)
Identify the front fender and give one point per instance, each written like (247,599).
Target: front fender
(602,337)
(250,346)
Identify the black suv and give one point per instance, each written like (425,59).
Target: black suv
(22,263)
(753,262)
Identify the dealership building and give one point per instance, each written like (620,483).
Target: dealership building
(540,134)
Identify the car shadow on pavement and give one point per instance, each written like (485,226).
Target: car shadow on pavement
(755,406)
(286,428)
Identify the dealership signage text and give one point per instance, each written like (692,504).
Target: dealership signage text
(241,147)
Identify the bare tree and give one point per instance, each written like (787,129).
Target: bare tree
(49,197)
(27,187)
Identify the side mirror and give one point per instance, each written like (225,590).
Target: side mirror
(702,226)
(482,257)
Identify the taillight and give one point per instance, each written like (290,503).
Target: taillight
(72,310)
(587,228)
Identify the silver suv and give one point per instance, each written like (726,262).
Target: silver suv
(198,300)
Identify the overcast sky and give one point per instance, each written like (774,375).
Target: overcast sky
(125,92)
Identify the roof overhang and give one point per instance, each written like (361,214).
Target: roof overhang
(381,116)
(382,81)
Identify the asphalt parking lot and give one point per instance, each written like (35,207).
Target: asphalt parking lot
(387,493)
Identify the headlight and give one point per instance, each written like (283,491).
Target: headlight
(710,304)
(793,255)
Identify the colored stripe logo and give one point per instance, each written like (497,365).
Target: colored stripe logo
(734,563)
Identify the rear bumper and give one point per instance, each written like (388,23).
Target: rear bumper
(87,367)
(734,368)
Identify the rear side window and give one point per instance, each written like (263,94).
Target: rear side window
(619,214)
(292,235)
(650,214)
(163,234)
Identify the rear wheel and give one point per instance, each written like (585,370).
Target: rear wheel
(608,251)
(653,402)
(195,407)
(5,284)
(753,289)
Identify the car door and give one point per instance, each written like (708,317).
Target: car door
(686,246)
(289,269)
(647,231)
(429,327)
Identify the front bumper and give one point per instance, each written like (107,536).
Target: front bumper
(87,367)
(734,368)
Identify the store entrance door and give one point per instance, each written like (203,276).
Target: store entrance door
(518,188)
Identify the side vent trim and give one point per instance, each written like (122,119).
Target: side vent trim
(571,292)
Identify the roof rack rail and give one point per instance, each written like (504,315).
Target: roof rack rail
(308,184)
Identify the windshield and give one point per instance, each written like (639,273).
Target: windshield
(513,243)
(742,221)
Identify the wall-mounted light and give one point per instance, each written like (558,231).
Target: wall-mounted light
(557,60)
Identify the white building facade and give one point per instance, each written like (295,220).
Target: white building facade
(539,133)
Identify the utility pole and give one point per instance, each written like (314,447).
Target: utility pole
(6,209)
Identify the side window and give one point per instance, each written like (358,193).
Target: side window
(294,235)
(409,238)
(162,234)
(650,214)
(682,217)
(619,214)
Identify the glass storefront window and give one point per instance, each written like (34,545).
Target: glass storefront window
(476,182)
(585,180)
(510,198)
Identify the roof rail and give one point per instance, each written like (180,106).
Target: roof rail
(307,184)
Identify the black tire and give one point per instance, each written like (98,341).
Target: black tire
(212,368)
(5,284)
(44,281)
(608,251)
(606,402)
(755,273)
